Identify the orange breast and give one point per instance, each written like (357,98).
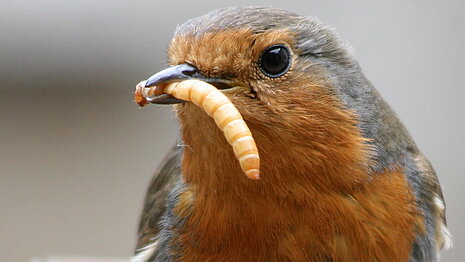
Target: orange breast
(314,202)
(375,222)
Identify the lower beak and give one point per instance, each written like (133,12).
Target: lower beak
(179,73)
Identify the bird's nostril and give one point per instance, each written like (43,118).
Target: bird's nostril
(189,70)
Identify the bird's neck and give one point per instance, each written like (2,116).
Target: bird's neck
(290,158)
(296,168)
(307,185)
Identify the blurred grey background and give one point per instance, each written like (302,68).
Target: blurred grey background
(76,154)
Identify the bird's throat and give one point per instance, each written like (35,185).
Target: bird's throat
(208,159)
(299,200)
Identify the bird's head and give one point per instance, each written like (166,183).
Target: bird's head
(291,78)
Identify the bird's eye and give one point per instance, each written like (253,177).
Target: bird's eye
(275,61)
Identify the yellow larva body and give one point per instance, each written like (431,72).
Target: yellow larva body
(226,117)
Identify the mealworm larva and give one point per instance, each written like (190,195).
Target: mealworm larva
(221,109)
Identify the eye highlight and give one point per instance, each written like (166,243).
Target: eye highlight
(275,61)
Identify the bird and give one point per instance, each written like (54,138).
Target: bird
(341,178)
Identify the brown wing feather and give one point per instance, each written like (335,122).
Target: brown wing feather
(157,195)
(443,237)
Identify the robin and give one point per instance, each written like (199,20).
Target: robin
(340,179)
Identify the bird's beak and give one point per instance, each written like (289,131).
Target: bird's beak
(179,73)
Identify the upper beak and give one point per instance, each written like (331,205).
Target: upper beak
(178,73)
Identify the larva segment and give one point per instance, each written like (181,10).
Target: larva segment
(223,115)
(235,130)
(221,109)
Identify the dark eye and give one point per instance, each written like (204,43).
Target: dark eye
(275,61)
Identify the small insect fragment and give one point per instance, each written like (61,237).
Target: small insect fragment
(140,99)
(142,92)
(220,108)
